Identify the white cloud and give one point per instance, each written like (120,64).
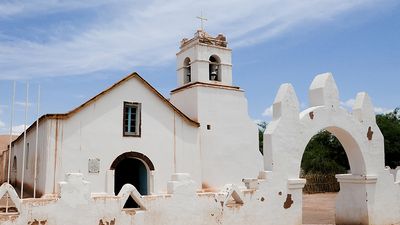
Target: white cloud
(146,33)
(268,112)
(28,8)
(381,110)
(22,104)
(378,110)
(16,130)
(19,129)
(349,103)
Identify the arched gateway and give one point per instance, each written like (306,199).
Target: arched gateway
(290,130)
(132,168)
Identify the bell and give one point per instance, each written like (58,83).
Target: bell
(213,75)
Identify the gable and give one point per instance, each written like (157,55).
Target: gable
(134,75)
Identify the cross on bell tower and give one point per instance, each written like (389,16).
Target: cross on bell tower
(202,19)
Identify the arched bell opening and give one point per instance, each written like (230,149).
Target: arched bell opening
(187,71)
(214,68)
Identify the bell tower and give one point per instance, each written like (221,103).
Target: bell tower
(204,59)
(228,137)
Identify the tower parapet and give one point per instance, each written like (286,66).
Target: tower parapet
(204,59)
(203,37)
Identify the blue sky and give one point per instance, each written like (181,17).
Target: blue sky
(75,49)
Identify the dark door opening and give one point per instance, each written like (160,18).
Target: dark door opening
(131,171)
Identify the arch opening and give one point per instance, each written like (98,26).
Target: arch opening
(187,71)
(132,168)
(214,68)
(330,152)
(350,146)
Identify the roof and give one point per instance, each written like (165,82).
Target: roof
(130,76)
(197,83)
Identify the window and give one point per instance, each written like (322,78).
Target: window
(14,166)
(131,119)
(27,156)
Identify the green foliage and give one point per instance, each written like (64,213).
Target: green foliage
(324,155)
(389,125)
(261,128)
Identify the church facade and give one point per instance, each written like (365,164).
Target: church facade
(130,133)
(131,156)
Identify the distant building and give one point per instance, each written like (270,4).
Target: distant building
(4,143)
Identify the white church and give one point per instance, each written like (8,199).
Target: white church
(131,156)
(130,133)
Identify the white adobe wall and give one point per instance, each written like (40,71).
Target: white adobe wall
(96,132)
(43,172)
(229,206)
(229,150)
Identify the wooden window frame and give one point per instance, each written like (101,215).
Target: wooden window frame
(138,119)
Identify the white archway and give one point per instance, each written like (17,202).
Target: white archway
(286,137)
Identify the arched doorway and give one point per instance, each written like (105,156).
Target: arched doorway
(323,158)
(132,168)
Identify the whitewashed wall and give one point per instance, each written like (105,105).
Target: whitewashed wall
(229,149)
(43,158)
(182,205)
(370,195)
(95,131)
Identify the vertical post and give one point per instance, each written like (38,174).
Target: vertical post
(24,147)
(11,133)
(174,143)
(10,143)
(36,143)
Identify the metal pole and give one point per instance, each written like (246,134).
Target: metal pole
(10,143)
(36,143)
(24,147)
(11,133)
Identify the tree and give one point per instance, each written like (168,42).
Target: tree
(324,155)
(389,124)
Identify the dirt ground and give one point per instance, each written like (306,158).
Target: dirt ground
(319,208)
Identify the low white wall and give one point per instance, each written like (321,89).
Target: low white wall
(182,205)
(265,201)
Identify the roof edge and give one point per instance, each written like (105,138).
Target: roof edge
(77,109)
